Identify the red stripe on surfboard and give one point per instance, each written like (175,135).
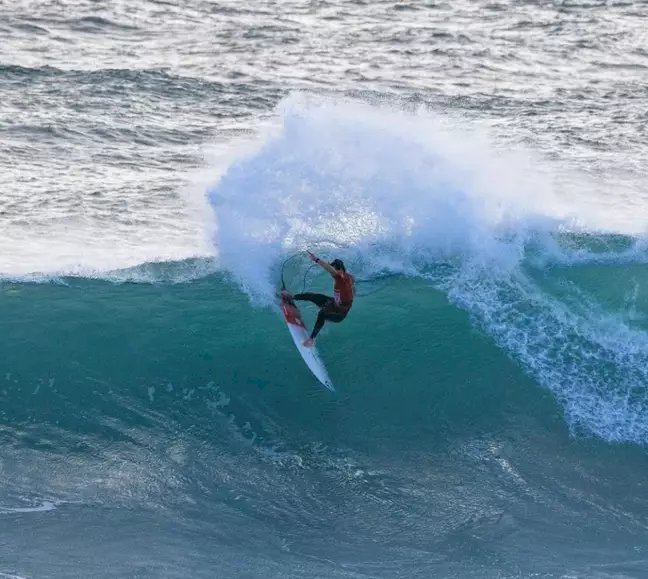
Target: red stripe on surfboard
(292,315)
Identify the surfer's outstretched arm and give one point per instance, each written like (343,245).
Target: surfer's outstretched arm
(323,264)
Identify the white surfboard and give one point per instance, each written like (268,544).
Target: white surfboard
(299,333)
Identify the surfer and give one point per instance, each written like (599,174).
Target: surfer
(332,309)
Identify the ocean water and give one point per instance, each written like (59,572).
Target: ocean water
(481,168)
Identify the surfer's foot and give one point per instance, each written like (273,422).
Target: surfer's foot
(308,343)
(286,295)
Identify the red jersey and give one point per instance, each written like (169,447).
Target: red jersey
(343,290)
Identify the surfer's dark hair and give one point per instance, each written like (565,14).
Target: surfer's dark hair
(338,264)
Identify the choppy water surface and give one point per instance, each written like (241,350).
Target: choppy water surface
(480,166)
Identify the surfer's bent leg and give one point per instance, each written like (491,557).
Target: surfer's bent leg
(320,300)
(324,316)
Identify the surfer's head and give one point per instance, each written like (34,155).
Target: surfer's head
(338,264)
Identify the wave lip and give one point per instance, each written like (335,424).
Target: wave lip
(352,176)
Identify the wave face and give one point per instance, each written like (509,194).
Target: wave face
(182,406)
(395,193)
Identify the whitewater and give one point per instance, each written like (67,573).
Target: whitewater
(479,167)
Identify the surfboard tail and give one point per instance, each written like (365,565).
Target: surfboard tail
(299,334)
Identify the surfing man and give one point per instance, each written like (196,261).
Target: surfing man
(332,309)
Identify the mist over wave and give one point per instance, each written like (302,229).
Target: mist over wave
(401,188)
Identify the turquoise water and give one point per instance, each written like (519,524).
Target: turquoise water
(478,166)
(180,407)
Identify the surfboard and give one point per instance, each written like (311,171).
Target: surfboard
(299,333)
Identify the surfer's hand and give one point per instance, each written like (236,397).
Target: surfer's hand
(312,256)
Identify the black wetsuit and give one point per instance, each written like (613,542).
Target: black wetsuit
(329,310)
